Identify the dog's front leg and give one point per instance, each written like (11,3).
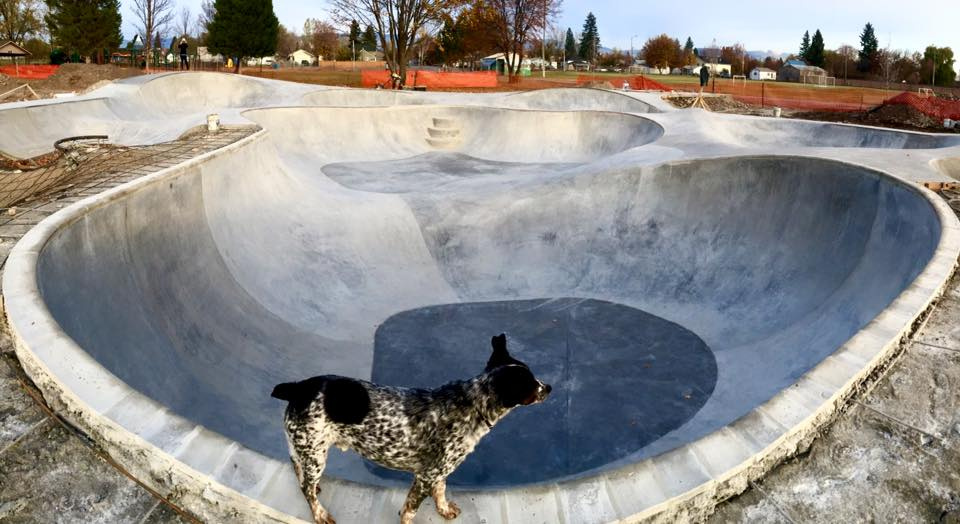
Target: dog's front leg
(445,508)
(418,491)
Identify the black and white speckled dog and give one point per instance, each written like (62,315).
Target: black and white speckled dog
(426,432)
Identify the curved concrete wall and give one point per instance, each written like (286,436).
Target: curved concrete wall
(205,303)
(793,133)
(580,99)
(486,133)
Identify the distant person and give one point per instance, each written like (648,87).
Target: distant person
(704,76)
(184,63)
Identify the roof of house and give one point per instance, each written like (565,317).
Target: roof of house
(301,51)
(764,70)
(11,49)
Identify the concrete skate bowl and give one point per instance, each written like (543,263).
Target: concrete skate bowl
(364,98)
(30,131)
(670,305)
(580,99)
(778,133)
(502,138)
(200,91)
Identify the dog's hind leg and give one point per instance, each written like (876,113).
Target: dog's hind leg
(447,509)
(418,491)
(309,464)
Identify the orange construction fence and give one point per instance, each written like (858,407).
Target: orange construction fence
(433,79)
(931,106)
(637,83)
(30,72)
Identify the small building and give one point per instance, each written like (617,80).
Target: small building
(301,57)
(13,51)
(205,55)
(798,70)
(762,73)
(369,56)
(716,68)
(498,62)
(266,61)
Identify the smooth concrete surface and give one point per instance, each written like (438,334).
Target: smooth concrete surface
(299,250)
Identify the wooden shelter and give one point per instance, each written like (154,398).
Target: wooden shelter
(14,51)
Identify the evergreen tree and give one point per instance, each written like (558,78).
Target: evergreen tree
(570,45)
(355,35)
(589,39)
(688,47)
(243,28)
(369,39)
(84,26)
(815,54)
(868,50)
(804,46)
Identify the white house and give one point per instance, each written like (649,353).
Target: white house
(302,57)
(369,56)
(206,56)
(762,73)
(715,69)
(267,61)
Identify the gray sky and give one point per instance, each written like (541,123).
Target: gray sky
(759,25)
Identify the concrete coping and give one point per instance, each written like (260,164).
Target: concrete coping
(219,480)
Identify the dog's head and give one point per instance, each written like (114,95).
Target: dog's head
(512,381)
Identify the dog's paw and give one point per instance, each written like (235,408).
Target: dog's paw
(450,512)
(324,518)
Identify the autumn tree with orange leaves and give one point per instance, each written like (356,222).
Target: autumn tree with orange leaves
(662,52)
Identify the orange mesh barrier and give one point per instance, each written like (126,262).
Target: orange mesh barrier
(637,83)
(938,108)
(30,72)
(433,79)
(789,95)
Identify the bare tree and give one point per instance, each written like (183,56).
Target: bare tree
(516,21)
(321,37)
(398,25)
(287,41)
(154,17)
(184,21)
(849,56)
(204,17)
(20,19)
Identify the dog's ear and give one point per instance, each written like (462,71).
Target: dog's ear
(514,385)
(500,356)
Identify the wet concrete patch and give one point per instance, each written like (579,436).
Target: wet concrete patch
(621,379)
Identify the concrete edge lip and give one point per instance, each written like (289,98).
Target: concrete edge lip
(216,479)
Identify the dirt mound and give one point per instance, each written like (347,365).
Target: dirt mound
(900,114)
(68,78)
(717,104)
(597,84)
(896,116)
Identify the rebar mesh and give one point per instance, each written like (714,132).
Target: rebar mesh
(87,165)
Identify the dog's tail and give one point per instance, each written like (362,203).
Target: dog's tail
(286,391)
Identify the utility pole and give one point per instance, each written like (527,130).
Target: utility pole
(632,60)
(543,43)
(933,66)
